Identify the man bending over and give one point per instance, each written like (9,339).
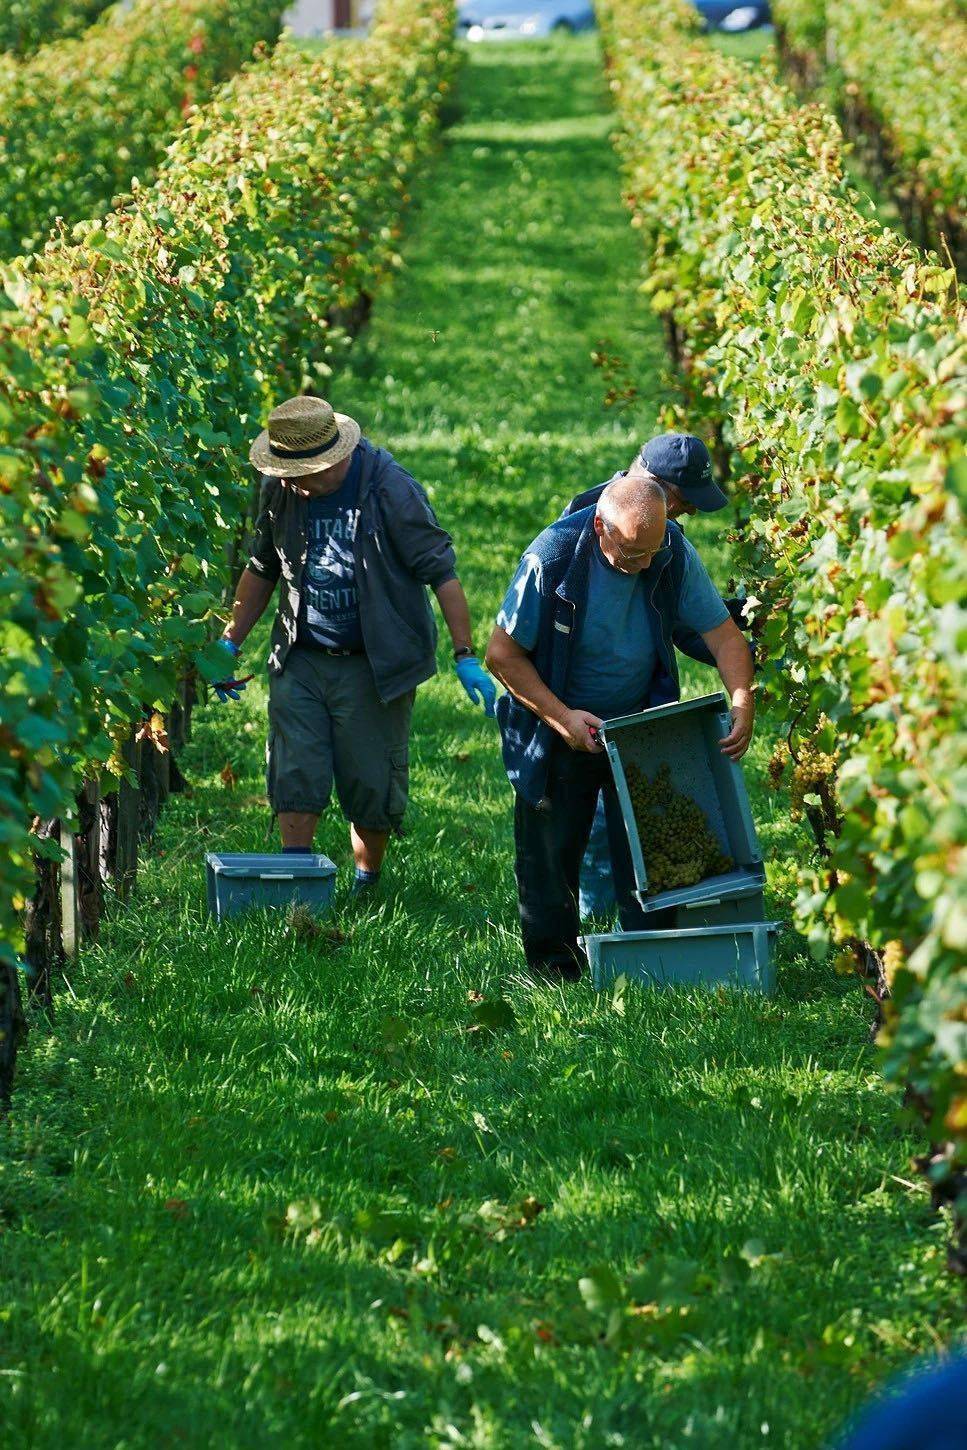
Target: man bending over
(584,635)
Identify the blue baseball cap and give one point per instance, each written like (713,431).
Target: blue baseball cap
(683,460)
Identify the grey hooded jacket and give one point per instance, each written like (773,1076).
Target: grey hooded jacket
(400,549)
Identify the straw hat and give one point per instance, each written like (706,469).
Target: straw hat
(304,436)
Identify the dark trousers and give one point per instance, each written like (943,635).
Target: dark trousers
(550,842)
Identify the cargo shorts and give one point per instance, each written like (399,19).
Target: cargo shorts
(327,725)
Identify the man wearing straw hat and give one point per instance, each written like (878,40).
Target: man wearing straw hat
(355,543)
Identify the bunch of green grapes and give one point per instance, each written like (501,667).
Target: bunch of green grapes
(778,761)
(677,842)
(813,768)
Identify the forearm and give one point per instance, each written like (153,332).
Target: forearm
(734,663)
(251,596)
(733,659)
(517,674)
(456,613)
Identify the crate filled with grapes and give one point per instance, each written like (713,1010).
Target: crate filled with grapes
(686,811)
(677,842)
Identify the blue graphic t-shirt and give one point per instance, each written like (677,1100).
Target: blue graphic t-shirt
(329,603)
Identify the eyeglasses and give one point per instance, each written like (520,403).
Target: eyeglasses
(642,555)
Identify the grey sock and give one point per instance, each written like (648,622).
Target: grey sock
(364,880)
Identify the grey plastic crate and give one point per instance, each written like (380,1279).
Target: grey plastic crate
(238,881)
(711,956)
(736,903)
(685,736)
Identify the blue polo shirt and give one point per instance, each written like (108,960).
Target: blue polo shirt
(615,653)
(329,602)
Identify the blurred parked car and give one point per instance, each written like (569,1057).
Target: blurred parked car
(517,20)
(728,15)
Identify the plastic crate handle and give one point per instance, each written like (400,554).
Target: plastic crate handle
(276,876)
(706,901)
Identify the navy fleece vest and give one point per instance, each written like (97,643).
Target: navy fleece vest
(564,551)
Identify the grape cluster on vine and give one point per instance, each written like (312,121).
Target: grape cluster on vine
(812,769)
(677,841)
(894,960)
(777,764)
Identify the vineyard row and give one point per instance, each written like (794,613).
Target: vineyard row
(84,115)
(134,363)
(896,71)
(26,25)
(829,357)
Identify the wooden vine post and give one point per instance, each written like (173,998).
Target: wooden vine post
(12,1027)
(87,858)
(44,950)
(101,845)
(70,917)
(122,863)
(152,774)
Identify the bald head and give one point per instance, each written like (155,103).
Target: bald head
(630,522)
(631,501)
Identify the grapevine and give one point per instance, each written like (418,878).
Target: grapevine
(25,25)
(830,357)
(895,71)
(113,99)
(109,469)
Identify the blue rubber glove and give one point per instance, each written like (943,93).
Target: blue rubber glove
(477,683)
(228,689)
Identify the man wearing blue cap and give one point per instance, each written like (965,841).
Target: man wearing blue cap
(682,465)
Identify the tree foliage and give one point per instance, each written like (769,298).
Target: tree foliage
(25,25)
(84,116)
(135,362)
(898,69)
(832,358)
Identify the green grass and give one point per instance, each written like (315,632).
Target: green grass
(201,1084)
(748,45)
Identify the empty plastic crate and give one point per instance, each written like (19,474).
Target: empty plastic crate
(685,736)
(236,882)
(711,956)
(738,903)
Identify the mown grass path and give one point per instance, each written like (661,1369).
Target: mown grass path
(203,1088)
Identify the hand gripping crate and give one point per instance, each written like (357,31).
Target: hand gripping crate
(685,736)
(708,956)
(238,881)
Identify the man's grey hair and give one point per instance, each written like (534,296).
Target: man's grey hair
(634,499)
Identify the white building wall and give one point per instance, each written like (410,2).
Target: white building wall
(310,18)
